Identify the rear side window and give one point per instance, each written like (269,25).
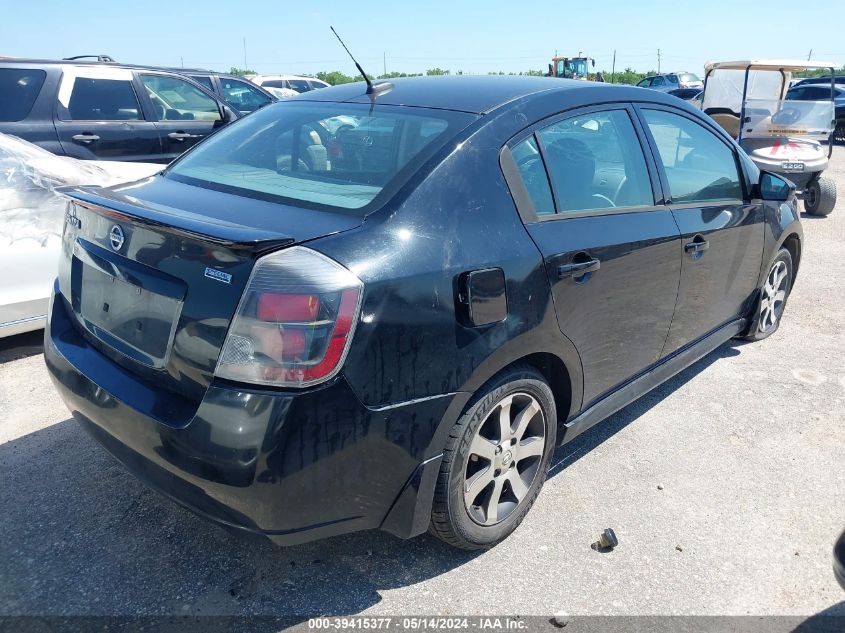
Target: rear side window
(337,155)
(19,87)
(177,100)
(204,80)
(527,157)
(698,165)
(595,162)
(100,99)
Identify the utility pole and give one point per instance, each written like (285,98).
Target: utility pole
(245,66)
(613,69)
(182,61)
(384,59)
(810,55)
(658,61)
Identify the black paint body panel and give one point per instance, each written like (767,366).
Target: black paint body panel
(362,450)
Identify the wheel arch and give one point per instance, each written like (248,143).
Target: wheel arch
(792,243)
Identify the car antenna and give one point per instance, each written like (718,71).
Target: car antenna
(372,89)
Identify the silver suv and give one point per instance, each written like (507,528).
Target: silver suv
(672,81)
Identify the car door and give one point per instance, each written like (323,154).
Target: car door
(98,116)
(722,230)
(184,113)
(612,257)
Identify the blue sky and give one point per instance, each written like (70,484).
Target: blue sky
(475,37)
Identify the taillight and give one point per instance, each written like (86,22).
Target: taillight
(294,323)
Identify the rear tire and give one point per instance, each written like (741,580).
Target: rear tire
(820,197)
(495,460)
(772,297)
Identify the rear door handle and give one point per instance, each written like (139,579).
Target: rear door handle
(181,136)
(579,268)
(85,138)
(696,246)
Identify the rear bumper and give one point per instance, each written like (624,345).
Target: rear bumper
(292,466)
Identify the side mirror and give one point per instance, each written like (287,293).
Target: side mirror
(594,63)
(774,187)
(228,114)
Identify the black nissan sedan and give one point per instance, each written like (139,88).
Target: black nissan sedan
(385,309)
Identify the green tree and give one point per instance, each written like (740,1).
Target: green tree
(433,72)
(335,77)
(240,72)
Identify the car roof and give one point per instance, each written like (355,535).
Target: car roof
(285,77)
(474,94)
(96,64)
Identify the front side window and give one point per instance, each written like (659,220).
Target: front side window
(177,100)
(19,87)
(336,155)
(241,94)
(645,83)
(300,85)
(98,99)
(595,162)
(698,165)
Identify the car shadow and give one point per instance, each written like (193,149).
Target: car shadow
(831,620)
(84,537)
(570,453)
(21,346)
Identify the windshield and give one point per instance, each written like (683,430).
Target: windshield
(771,118)
(337,155)
(724,87)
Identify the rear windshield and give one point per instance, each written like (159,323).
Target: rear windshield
(319,155)
(688,77)
(19,87)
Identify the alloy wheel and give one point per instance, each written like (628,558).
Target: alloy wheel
(774,296)
(504,458)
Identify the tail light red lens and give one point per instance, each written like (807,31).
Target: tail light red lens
(294,323)
(273,306)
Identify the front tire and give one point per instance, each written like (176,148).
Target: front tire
(773,296)
(820,197)
(495,460)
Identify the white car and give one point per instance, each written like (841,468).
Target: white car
(31,221)
(285,86)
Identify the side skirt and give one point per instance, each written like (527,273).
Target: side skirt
(658,374)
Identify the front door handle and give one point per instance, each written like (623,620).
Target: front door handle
(698,245)
(181,136)
(578,268)
(85,138)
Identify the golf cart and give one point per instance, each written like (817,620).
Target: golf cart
(747,98)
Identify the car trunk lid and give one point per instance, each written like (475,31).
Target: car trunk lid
(154,284)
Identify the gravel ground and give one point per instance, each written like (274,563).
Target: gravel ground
(725,486)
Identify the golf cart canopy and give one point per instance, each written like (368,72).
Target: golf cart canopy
(754,90)
(786,65)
